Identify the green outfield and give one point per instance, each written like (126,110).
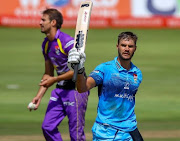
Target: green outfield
(157,101)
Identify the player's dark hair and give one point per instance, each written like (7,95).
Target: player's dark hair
(54,14)
(127,35)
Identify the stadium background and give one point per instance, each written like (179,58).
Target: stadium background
(157,24)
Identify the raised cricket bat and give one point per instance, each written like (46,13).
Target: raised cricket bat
(81,31)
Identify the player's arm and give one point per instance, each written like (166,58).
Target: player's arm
(66,76)
(49,80)
(49,72)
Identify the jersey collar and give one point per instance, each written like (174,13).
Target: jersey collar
(57,34)
(120,68)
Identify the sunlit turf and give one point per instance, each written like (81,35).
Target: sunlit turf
(22,65)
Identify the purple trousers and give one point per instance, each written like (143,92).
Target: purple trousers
(63,103)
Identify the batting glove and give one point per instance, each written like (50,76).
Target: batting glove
(75,57)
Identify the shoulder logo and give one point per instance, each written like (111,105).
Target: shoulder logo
(96,71)
(135,77)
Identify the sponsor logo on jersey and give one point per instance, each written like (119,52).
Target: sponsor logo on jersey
(67,103)
(126,87)
(125,95)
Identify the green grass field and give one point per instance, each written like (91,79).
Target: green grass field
(157,101)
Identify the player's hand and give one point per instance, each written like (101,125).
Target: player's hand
(49,81)
(75,57)
(36,100)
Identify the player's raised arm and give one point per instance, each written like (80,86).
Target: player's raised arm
(83,83)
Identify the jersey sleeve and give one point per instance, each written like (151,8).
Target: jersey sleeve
(140,76)
(69,45)
(98,74)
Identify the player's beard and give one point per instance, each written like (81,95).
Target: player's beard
(125,59)
(43,30)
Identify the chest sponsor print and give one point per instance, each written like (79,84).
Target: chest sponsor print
(125,95)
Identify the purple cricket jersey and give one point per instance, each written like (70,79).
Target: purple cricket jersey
(54,53)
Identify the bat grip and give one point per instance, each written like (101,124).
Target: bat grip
(75,73)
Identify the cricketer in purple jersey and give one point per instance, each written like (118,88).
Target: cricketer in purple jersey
(64,100)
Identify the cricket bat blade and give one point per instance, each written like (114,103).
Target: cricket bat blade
(81,31)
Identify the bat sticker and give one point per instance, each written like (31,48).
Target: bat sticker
(79,40)
(85,5)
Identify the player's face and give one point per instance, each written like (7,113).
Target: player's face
(126,49)
(45,23)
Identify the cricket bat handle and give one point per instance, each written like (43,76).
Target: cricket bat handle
(75,73)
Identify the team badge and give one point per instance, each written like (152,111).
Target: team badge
(57,50)
(135,77)
(126,86)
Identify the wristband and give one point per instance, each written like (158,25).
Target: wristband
(81,70)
